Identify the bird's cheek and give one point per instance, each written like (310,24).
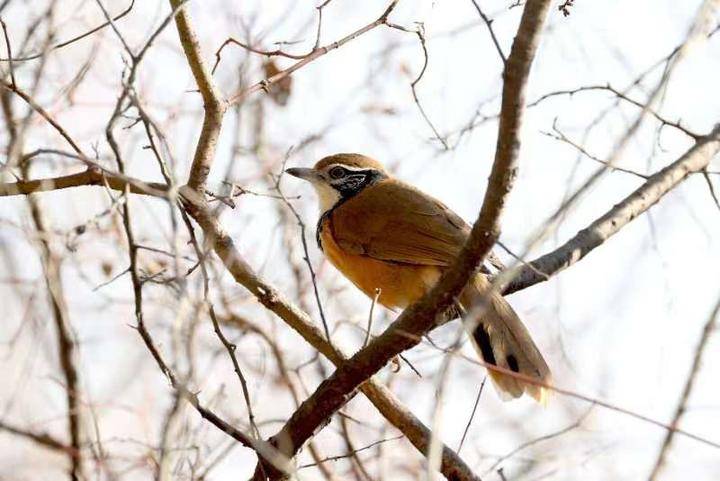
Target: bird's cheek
(327,196)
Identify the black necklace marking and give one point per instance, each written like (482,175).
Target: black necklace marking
(349,186)
(318,230)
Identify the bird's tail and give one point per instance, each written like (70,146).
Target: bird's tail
(501,339)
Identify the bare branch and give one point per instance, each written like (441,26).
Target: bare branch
(229,346)
(711,188)
(622,96)
(420,32)
(488,23)
(8,49)
(707,331)
(213,103)
(43,439)
(43,113)
(89,177)
(648,194)
(64,335)
(314,55)
(353,453)
(537,440)
(266,53)
(557,134)
(423,315)
(695,35)
(303,240)
(452,467)
(472,415)
(70,41)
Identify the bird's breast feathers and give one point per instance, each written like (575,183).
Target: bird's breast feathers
(400,283)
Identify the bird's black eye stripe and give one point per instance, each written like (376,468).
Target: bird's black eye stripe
(353,182)
(337,172)
(349,182)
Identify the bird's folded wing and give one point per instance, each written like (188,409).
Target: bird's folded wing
(392,221)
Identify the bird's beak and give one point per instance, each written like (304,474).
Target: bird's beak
(302,173)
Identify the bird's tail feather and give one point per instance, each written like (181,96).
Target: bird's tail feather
(502,340)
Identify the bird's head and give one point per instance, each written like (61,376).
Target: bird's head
(341,176)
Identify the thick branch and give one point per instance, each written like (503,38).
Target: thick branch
(452,466)
(213,102)
(419,435)
(647,195)
(90,177)
(423,315)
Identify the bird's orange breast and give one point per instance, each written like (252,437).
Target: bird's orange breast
(400,284)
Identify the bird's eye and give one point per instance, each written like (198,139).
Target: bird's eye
(336,172)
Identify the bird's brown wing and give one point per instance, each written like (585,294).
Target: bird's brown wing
(392,221)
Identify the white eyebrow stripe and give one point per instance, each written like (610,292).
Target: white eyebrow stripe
(349,167)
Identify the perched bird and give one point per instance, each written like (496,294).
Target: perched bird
(384,234)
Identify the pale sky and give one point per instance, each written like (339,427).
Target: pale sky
(620,326)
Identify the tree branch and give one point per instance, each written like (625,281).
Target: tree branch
(648,194)
(43,439)
(89,177)
(65,43)
(313,55)
(43,113)
(422,316)
(223,245)
(710,326)
(452,466)
(214,104)
(65,338)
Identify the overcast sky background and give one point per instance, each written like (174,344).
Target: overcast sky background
(621,325)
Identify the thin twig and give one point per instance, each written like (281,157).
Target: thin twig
(378,291)
(622,96)
(488,23)
(43,113)
(303,239)
(70,41)
(229,346)
(537,440)
(557,134)
(711,188)
(422,316)
(278,52)
(648,194)
(420,32)
(452,467)
(472,415)
(9,52)
(343,456)
(687,391)
(598,402)
(314,55)
(42,439)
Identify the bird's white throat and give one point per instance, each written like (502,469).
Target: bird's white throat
(327,196)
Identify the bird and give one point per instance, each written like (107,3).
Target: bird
(388,237)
